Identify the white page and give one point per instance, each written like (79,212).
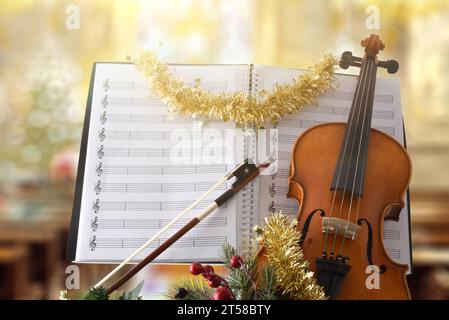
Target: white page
(334,106)
(140,184)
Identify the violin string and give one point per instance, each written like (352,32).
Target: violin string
(341,164)
(368,127)
(357,161)
(358,154)
(350,242)
(358,102)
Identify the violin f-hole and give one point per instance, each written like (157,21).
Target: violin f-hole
(305,229)
(369,245)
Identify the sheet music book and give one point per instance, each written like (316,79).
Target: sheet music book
(140,165)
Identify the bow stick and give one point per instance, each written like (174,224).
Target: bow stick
(244,173)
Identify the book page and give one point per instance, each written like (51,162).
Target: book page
(334,106)
(144,166)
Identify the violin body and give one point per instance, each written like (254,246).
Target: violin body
(387,175)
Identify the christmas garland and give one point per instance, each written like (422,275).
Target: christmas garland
(242,107)
(281,241)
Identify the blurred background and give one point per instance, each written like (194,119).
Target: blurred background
(46,55)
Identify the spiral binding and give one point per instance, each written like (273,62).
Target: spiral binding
(248,203)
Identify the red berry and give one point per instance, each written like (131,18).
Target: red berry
(236,261)
(214,282)
(196,268)
(208,269)
(222,293)
(208,276)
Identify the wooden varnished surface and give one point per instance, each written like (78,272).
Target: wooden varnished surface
(387,177)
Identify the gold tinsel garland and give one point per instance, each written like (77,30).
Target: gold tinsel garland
(281,241)
(241,107)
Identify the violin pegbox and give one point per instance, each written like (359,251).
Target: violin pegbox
(373,44)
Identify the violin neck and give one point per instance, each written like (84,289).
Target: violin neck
(349,174)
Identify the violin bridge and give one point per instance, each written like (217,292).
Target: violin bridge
(341,227)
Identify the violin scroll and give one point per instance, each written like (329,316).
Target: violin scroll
(372,45)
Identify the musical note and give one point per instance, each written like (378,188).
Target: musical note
(271,208)
(106,85)
(94,224)
(103,118)
(97,187)
(99,169)
(101,134)
(100,152)
(104,101)
(96,205)
(272,189)
(92,243)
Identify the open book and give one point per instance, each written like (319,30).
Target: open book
(140,165)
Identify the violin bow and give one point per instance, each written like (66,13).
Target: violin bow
(244,174)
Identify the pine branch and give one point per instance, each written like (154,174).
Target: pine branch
(240,281)
(267,288)
(100,293)
(197,289)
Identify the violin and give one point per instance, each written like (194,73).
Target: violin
(348,178)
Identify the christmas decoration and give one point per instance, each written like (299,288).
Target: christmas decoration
(250,279)
(243,108)
(101,293)
(236,262)
(181,293)
(195,289)
(281,241)
(196,269)
(222,293)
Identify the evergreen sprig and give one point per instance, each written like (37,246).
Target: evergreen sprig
(267,287)
(197,289)
(241,280)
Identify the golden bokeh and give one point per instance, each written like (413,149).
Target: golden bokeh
(46,56)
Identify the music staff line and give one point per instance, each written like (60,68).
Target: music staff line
(104,134)
(346,95)
(344,111)
(394,253)
(160,169)
(140,86)
(107,206)
(185,242)
(391,234)
(106,117)
(105,187)
(304,124)
(157,224)
(166,152)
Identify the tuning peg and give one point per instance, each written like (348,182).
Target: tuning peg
(347,60)
(392,66)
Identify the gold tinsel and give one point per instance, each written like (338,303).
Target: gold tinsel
(241,107)
(280,239)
